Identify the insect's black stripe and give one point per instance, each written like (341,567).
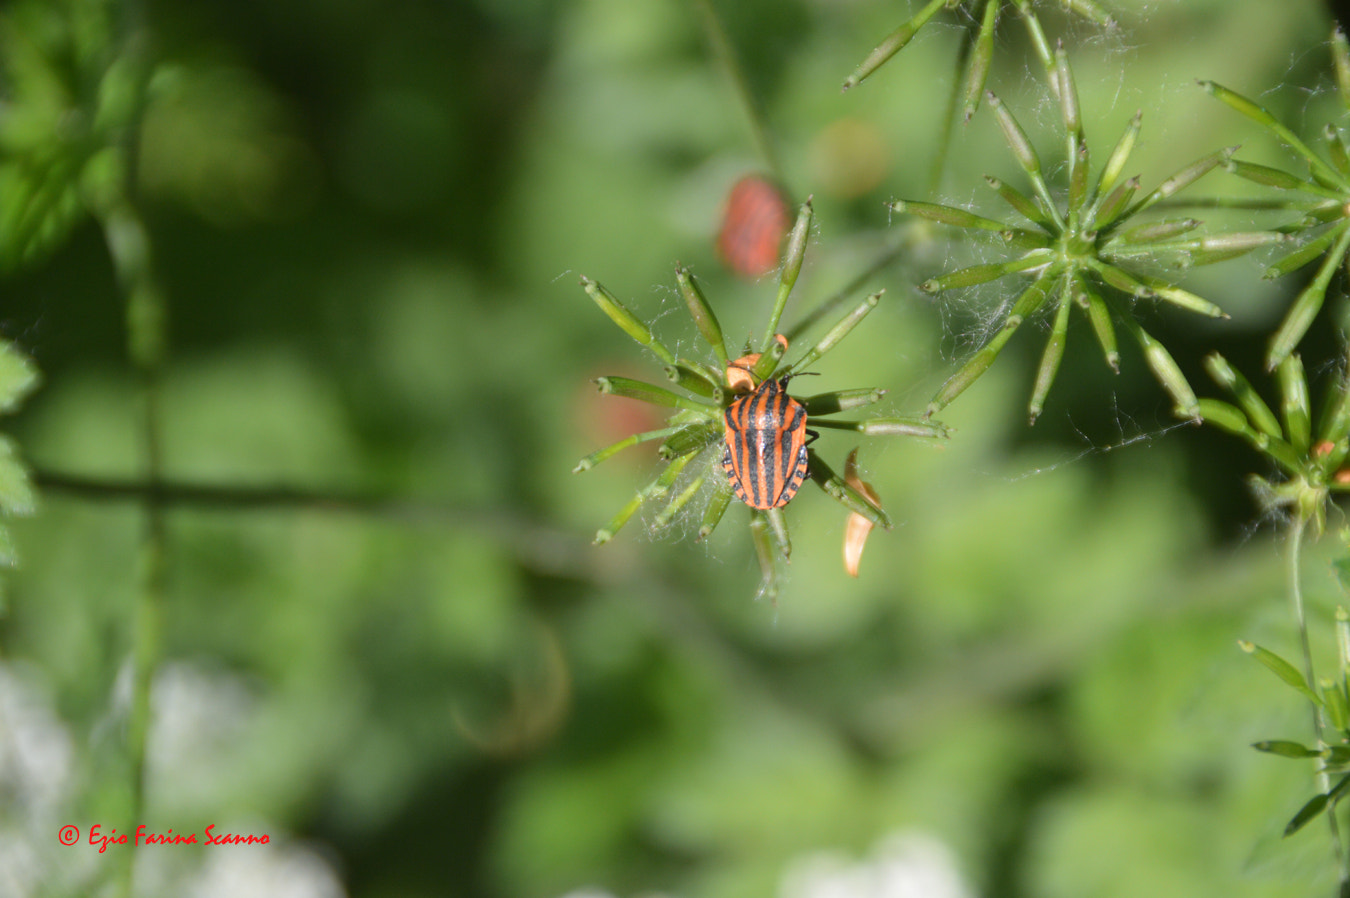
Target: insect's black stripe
(771,437)
(749,448)
(787,458)
(758,405)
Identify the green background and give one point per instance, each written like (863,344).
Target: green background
(370,220)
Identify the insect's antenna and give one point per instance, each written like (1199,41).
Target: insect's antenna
(787,377)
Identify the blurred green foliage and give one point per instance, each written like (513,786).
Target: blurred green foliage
(368,220)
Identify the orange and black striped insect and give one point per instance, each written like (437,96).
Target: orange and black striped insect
(765,451)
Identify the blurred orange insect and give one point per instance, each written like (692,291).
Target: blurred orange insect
(753,226)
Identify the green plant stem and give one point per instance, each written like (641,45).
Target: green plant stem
(754,116)
(1296,530)
(834,301)
(113,204)
(954,97)
(129,247)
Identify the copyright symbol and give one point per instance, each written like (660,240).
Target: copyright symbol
(68,834)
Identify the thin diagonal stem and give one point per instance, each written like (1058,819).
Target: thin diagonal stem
(754,115)
(949,112)
(114,205)
(128,244)
(1296,529)
(831,303)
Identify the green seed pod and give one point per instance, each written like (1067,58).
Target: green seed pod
(1294,402)
(625,319)
(636,389)
(702,313)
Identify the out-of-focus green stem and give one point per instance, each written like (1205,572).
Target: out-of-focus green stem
(1297,526)
(754,116)
(129,247)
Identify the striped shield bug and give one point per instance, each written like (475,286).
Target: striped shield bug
(765,445)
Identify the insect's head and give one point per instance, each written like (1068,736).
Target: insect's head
(740,372)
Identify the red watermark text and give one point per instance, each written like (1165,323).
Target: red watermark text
(70,835)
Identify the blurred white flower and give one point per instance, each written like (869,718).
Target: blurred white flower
(903,865)
(199,720)
(35,751)
(277,871)
(198,717)
(35,777)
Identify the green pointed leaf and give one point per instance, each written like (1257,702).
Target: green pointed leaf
(1285,749)
(607,532)
(839,331)
(1181,180)
(949,215)
(636,389)
(690,376)
(1282,669)
(678,502)
(793,254)
(690,438)
(1166,371)
(717,507)
(1294,402)
(982,54)
(1313,249)
(620,315)
(600,455)
(1340,57)
(1306,306)
(1054,353)
(1115,163)
(1315,806)
(779,530)
(1022,149)
(1100,318)
(1019,201)
(1262,116)
(836,488)
(1336,149)
(984,273)
(702,313)
(841,400)
(894,43)
(768,569)
(887,427)
(1277,178)
(1227,418)
(1231,379)
(1027,304)
(1334,700)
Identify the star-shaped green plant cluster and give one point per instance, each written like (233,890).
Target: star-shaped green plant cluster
(1311,467)
(1321,197)
(1086,248)
(699,393)
(1310,461)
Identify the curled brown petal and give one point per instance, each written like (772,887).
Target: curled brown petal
(858,527)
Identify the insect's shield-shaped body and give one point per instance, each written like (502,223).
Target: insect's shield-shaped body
(765,446)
